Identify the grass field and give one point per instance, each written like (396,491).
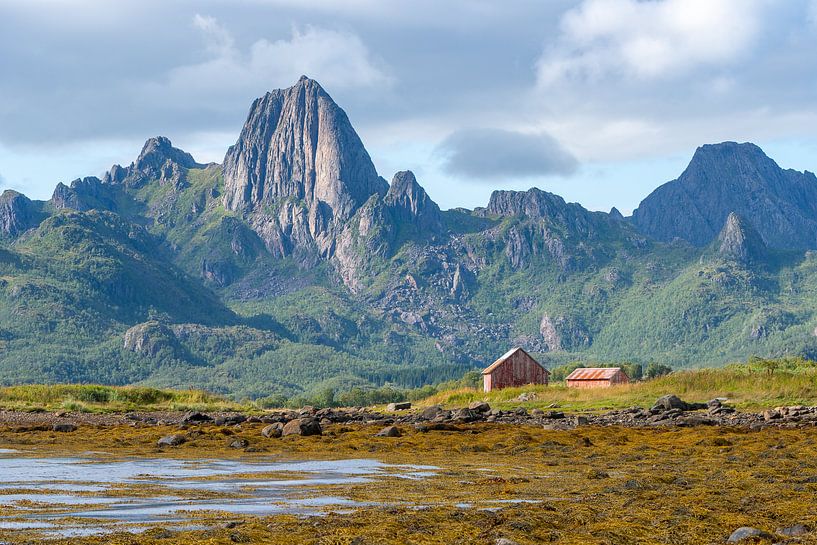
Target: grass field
(744,387)
(96,398)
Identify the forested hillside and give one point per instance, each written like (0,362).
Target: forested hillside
(296,268)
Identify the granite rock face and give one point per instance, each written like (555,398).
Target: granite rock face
(298,169)
(158,160)
(738,241)
(411,205)
(18,213)
(730,177)
(84,194)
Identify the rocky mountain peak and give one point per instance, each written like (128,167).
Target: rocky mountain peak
(83,194)
(17,213)
(739,241)
(159,150)
(533,203)
(536,204)
(298,147)
(411,204)
(731,177)
(158,160)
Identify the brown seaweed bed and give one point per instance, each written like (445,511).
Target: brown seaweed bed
(604,485)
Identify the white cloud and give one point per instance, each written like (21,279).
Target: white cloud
(337,59)
(647,40)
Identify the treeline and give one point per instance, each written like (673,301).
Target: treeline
(363,397)
(635,371)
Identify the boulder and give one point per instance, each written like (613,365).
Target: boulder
(480,407)
(436,426)
(465,415)
(171,440)
(430,413)
(63,428)
(238,443)
(793,531)
(389,431)
(196,418)
(273,431)
(771,414)
(673,402)
(403,406)
(302,426)
(747,532)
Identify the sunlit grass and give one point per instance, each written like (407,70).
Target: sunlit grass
(744,388)
(97,398)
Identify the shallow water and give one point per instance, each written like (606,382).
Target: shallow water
(131,494)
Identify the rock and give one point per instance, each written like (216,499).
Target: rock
(299,169)
(771,414)
(738,241)
(389,431)
(465,415)
(694,420)
(273,431)
(673,402)
(402,406)
(171,440)
(150,338)
(526,396)
(430,413)
(479,406)
(732,178)
(159,161)
(238,443)
(436,426)
(793,531)
(17,213)
(196,418)
(302,426)
(667,402)
(505,541)
(411,207)
(63,428)
(747,532)
(580,421)
(84,194)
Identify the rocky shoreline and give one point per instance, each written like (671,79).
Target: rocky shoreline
(668,411)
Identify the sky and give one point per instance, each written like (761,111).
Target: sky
(599,101)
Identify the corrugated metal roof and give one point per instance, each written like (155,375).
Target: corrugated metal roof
(507,355)
(593,373)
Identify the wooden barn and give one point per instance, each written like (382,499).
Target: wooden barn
(515,368)
(596,377)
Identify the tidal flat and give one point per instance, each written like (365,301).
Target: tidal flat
(592,484)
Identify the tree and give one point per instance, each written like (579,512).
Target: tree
(633,370)
(655,370)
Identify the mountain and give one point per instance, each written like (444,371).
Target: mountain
(730,177)
(298,169)
(294,268)
(17,213)
(740,242)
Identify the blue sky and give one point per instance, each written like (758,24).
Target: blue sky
(599,101)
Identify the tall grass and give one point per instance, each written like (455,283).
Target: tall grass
(97,398)
(742,386)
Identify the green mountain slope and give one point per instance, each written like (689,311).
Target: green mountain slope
(149,276)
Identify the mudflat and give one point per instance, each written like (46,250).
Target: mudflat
(514,480)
